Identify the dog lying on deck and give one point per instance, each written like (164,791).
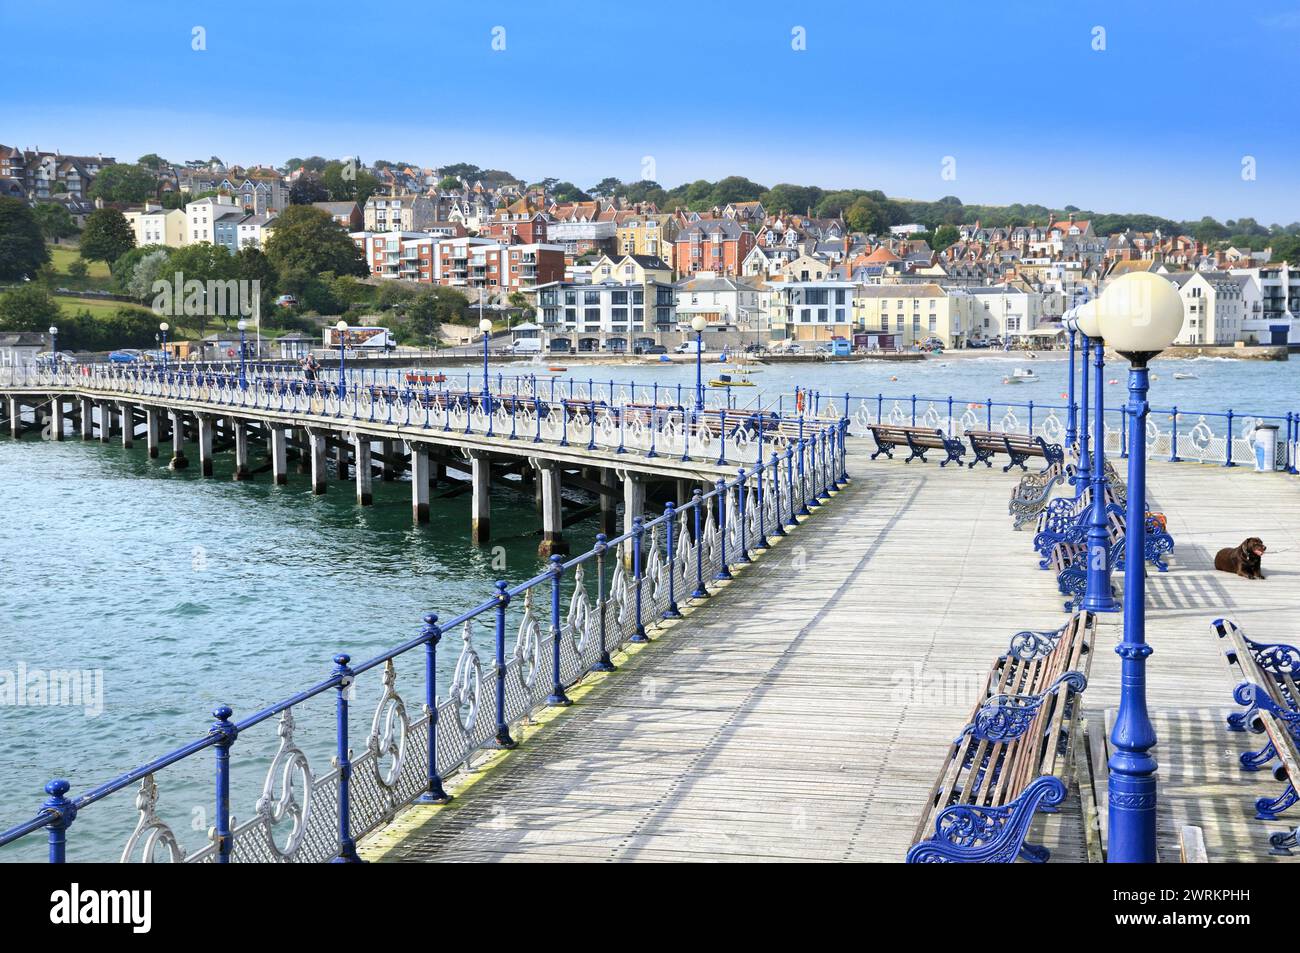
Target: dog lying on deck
(1243,560)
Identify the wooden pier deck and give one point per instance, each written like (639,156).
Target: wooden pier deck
(804,714)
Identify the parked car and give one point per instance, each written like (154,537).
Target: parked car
(656,349)
(125,356)
(978,344)
(688,347)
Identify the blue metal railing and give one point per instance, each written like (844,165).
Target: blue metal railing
(690,545)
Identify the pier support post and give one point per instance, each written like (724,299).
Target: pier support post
(279,456)
(241,450)
(178,460)
(341,459)
(87,419)
(633,509)
(105,422)
(553,543)
(420,483)
(151,431)
(316,448)
(609,502)
(304,451)
(205,444)
(391,448)
(128,425)
(56,417)
(15,418)
(361,459)
(481,510)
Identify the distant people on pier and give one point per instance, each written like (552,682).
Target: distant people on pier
(310,367)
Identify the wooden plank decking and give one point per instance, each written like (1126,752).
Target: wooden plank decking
(803,713)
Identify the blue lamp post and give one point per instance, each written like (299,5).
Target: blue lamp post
(162,330)
(1097,596)
(698,324)
(1071,419)
(54,348)
(485,325)
(1140,314)
(342,329)
(1085,460)
(243,350)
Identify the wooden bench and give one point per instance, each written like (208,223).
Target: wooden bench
(919,440)
(1032,493)
(1282,739)
(1269,675)
(1070,560)
(1019,447)
(1012,758)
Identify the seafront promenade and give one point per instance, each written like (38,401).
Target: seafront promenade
(805,715)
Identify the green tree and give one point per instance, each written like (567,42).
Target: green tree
(107,236)
(944,236)
(55,221)
(124,268)
(251,264)
(22,246)
(568,192)
(154,266)
(78,268)
(866,215)
(28,308)
(449,183)
(307,240)
(152,161)
(123,182)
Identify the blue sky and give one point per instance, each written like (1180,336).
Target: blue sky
(1158,121)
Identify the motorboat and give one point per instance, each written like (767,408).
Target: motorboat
(726,380)
(1024,374)
(1184,376)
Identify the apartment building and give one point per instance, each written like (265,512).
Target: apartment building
(1271,303)
(898,316)
(1001,310)
(606,316)
(812,310)
(1213,307)
(399,213)
(649,235)
(719,246)
(726,304)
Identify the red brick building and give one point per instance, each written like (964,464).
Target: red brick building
(718,246)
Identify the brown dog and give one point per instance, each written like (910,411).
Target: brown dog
(1243,560)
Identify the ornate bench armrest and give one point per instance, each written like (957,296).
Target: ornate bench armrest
(970,834)
(1004,718)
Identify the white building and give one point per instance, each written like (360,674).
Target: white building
(1000,310)
(202,214)
(727,304)
(155,225)
(1213,308)
(1270,302)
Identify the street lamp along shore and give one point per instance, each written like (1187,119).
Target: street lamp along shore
(342,329)
(485,325)
(1139,315)
(699,324)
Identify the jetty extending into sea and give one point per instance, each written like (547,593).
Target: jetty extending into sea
(777,667)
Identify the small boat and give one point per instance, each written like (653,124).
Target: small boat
(557,369)
(1024,374)
(1184,376)
(1013,380)
(726,380)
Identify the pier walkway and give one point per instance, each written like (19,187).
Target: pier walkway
(805,714)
